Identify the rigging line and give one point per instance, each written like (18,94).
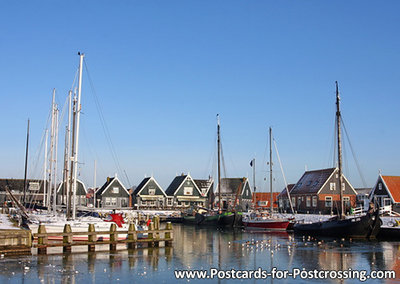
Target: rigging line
(223,161)
(354,155)
(211,159)
(103,122)
(283,174)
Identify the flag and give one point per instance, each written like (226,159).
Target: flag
(251,163)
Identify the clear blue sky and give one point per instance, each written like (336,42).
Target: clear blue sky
(162,70)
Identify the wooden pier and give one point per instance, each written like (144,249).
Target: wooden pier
(43,240)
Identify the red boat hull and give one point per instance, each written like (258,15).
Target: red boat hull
(267,225)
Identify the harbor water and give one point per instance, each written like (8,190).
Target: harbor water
(222,251)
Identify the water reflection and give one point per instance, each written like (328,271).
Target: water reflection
(205,248)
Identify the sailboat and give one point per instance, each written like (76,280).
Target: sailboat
(55,223)
(366,226)
(264,221)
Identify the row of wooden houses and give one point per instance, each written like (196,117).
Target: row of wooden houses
(183,192)
(315,192)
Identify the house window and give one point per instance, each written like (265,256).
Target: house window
(115,190)
(108,201)
(308,201)
(332,186)
(152,203)
(346,201)
(343,186)
(387,202)
(203,191)
(314,201)
(34,186)
(328,201)
(169,201)
(152,191)
(293,201)
(188,190)
(298,201)
(380,186)
(143,202)
(114,201)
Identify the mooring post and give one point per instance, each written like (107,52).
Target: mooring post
(132,236)
(113,237)
(150,235)
(92,238)
(168,235)
(42,241)
(67,240)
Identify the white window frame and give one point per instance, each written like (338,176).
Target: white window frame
(188,190)
(380,186)
(169,201)
(332,186)
(293,201)
(108,201)
(115,190)
(114,201)
(328,201)
(152,191)
(308,201)
(314,201)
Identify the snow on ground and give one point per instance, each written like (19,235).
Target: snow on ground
(5,223)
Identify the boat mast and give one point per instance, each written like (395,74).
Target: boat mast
(339,137)
(94,186)
(219,166)
(270,167)
(45,171)
(67,153)
(55,162)
(78,112)
(52,138)
(26,162)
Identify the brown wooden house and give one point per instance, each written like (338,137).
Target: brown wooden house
(317,192)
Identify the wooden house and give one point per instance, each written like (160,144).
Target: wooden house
(34,192)
(232,189)
(386,192)
(112,194)
(283,200)
(149,194)
(262,200)
(206,187)
(81,192)
(317,191)
(183,192)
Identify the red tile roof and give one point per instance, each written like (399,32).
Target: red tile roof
(393,185)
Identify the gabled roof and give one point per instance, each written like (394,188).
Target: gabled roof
(18,184)
(80,187)
(106,185)
(363,191)
(392,184)
(175,184)
(283,193)
(204,183)
(231,185)
(312,181)
(141,185)
(144,182)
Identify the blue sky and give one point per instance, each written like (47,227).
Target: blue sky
(162,70)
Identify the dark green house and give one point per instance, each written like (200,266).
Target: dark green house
(183,192)
(112,194)
(81,192)
(149,194)
(232,188)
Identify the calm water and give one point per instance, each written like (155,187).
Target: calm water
(202,248)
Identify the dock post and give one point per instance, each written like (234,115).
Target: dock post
(42,240)
(150,235)
(67,240)
(156,221)
(132,236)
(168,235)
(113,237)
(92,238)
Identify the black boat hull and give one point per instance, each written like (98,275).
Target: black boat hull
(364,227)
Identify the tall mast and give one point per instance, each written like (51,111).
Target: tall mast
(72,167)
(94,186)
(270,167)
(254,175)
(45,170)
(67,153)
(26,162)
(55,162)
(339,137)
(78,112)
(219,166)
(52,135)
